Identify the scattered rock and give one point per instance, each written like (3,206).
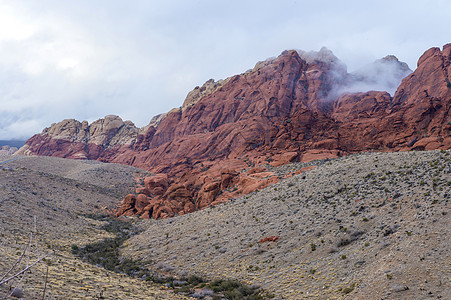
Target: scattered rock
(399,288)
(269,239)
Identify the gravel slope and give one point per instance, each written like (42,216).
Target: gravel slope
(59,192)
(114,179)
(367,226)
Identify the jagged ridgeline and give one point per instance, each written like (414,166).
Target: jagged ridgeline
(299,106)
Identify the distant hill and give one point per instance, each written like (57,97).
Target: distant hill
(12,143)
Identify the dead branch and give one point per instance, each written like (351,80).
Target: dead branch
(29,251)
(24,270)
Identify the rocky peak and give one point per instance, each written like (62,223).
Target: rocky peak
(431,79)
(261,64)
(288,108)
(400,68)
(154,122)
(106,133)
(112,131)
(198,92)
(433,52)
(323,55)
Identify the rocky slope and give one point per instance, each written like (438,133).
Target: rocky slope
(366,226)
(289,108)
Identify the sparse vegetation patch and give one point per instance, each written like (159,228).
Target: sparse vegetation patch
(106,253)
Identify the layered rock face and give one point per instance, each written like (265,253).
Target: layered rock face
(293,107)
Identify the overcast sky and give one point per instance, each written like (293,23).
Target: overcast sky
(86,59)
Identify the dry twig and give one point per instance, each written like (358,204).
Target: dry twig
(16,273)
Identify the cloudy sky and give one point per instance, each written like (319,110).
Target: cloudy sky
(86,59)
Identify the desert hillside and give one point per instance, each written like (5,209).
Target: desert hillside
(62,194)
(367,226)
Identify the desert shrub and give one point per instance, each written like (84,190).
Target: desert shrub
(348,289)
(353,236)
(96,217)
(130,267)
(343,242)
(183,290)
(104,253)
(232,289)
(195,280)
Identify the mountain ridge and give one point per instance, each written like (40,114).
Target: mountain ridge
(288,108)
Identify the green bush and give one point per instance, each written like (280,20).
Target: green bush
(349,289)
(233,289)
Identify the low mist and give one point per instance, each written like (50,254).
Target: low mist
(384,74)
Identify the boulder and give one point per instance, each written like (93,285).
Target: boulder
(157,184)
(141,202)
(127,207)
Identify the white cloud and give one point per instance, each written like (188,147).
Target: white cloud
(12,26)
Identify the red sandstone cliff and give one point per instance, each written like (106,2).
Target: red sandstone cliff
(285,109)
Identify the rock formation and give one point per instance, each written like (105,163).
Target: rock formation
(79,140)
(291,108)
(7,150)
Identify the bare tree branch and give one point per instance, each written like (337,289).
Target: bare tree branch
(29,253)
(24,270)
(15,264)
